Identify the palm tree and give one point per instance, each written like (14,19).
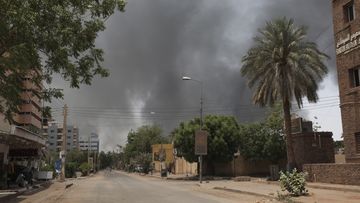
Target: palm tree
(282,66)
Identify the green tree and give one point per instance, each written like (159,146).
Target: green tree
(108,159)
(223,139)
(84,168)
(73,160)
(41,38)
(338,144)
(264,140)
(144,159)
(139,144)
(282,66)
(76,156)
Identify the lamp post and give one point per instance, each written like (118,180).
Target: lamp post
(201,97)
(201,118)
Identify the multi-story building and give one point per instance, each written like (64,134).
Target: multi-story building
(346,20)
(55,137)
(29,116)
(21,142)
(91,142)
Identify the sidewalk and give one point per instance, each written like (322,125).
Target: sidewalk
(49,186)
(318,192)
(171,176)
(184,177)
(337,193)
(14,191)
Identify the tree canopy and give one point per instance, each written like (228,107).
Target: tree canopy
(42,38)
(281,66)
(264,140)
(223,137)
(138,148)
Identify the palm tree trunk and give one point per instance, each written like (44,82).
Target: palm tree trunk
(289,144)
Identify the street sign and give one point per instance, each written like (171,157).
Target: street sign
(201,142)
(62,154)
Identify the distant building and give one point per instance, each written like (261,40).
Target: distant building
(91,142)
(346,20)
(55,139)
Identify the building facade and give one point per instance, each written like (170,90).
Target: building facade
(91,143)
(29,116)
(346,20)
(21,142)
(55,139)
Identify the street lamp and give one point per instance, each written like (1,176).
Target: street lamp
(201,117)
(201,97)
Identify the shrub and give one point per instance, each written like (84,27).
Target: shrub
(70,169)
(84,168)
(47,167)
(294,182)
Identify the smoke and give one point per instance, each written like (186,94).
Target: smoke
(154,43)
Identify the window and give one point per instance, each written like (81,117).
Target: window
(357,142)
(69,131)
(52,131)
(354,75)
(349,12)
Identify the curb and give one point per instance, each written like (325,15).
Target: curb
(318,187)
(244,192)
(334,188)
(250,193)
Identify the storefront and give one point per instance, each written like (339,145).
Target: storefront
(18,148)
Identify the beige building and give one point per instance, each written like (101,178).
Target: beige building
(21,143)
(29,116)
(162,153)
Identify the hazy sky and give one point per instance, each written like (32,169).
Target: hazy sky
(150,46)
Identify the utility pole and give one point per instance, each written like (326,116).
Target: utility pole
(201,127)
(64,140)
(89,147)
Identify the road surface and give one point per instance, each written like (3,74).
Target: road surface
(119,187)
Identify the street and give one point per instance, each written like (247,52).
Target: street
(107,187)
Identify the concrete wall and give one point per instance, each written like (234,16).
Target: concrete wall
(348,173)
(240,167)
(340,158)
(184,167)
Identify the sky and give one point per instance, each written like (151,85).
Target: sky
(154,43)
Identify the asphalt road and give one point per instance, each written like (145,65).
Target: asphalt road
(121,187)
